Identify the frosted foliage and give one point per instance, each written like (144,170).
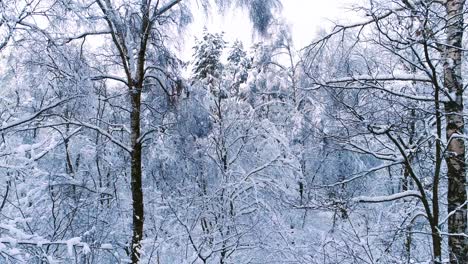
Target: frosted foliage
(208,54)
(261,12)
(115,150)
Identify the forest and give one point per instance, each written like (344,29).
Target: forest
(116,148)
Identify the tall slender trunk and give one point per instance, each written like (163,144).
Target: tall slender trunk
(436,245)
(136,175)
(455,158)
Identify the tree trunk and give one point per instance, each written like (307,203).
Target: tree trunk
(455,154)
(136,175)
(436,245)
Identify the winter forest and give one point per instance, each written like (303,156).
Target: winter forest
(115,147)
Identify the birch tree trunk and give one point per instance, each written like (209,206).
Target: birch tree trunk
(455,154)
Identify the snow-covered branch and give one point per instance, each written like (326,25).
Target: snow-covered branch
(386,198)
(102,132)
(383,78)
(36,114)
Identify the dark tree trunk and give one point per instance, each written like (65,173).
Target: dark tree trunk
(136,175)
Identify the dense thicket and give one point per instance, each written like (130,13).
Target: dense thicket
(115,150)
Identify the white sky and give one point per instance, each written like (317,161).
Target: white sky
(305,18)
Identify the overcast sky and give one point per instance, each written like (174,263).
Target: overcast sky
(305,18)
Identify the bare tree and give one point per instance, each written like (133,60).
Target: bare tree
(410,41)
(135,30)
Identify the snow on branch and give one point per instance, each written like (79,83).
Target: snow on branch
(389,77)
(35,115)
(453,212)
(453,234)
(102,132)
(39,242)
(341,28)
(386,198)
(109,77)
(70,38)
(260,168)
(18,237)
(368,81)
(361,174)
